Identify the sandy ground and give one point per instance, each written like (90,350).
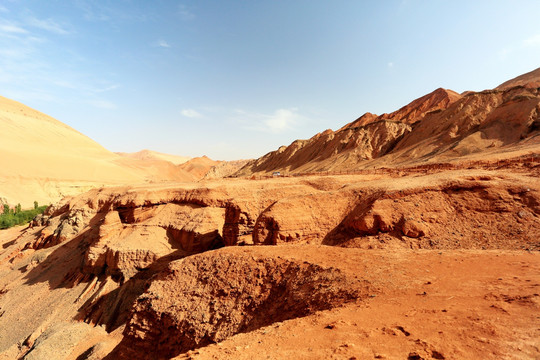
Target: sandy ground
(45,160)
(425,305)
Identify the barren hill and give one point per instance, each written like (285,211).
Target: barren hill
(225,169)
(43,159)
(437,127)
(199,166)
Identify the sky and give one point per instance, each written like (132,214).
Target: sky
(237,79)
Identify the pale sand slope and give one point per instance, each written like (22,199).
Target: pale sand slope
(154,155)
(43,159)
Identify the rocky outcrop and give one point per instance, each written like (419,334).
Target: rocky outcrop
(133,238)
(126,232)
(209,297)
(449,217)
(328,150)
(477,122)
(470,214)
(224,169)
(302,219)
(413,112)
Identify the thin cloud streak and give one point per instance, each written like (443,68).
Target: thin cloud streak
(8,27)
(47,24)
(280,121)
(190,113)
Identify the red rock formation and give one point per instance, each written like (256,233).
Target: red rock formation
(439,126)
(209,297)
(368,137)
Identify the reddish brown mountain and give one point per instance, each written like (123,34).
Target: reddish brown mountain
(529,80)
(413,112)
(437,127)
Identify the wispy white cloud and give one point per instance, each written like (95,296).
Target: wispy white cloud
(190,113)
(14,54)
(532,41)
(390,64)
(47,24)
(279,121)
(3,9)
(163,44)
(82,83)
(9,27)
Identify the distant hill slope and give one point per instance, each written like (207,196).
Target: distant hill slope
(440,126)
(154,155)
(530,80)
(198,166)
(224,169)
(43,159)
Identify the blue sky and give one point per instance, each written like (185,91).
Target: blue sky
(236,79)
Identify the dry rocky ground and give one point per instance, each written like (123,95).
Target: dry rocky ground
(441,265)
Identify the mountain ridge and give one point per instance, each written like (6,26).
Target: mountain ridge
(439,126)
(530,80)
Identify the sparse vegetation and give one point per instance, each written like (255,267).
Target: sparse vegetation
(17,216)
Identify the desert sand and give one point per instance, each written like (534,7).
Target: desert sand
(45,160)
(410,235)
(154,155)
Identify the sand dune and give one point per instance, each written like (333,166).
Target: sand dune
(154,155)
(43,159)
(199,166)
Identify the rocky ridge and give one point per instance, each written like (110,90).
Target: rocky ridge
(437,127)
(528,80)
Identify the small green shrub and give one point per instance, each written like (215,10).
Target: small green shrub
(10,218)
